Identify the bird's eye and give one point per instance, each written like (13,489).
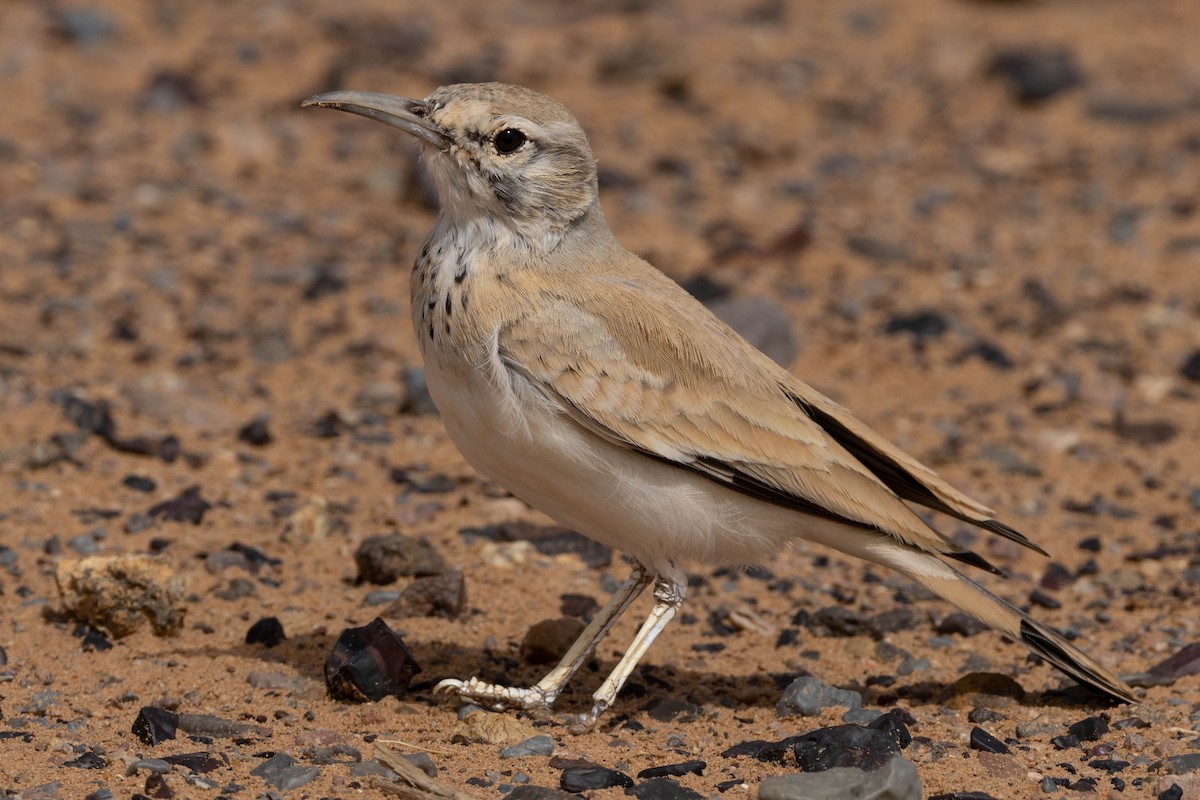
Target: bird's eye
(508,141)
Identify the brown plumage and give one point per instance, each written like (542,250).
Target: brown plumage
(599,391)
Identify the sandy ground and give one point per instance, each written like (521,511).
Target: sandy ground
(179,241)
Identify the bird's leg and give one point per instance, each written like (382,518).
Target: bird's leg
(546,691)
(669,591)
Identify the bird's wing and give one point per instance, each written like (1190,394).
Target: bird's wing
(650,369)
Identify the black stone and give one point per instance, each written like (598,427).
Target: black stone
(1036,74)
(369,663)
(895,724)
(529,792)
(154,725)
(959,624)
(837,621)
(1190,368)
(1184,662)
(982,740)
(669,709)
(88,760)
(1067,742)
(189,506)
(845,746)
(584,779)
(663,789)
(384,558)
(94,641)
(1044,599)
(1109,765)
(255,433)
(268,632)
(1090,729)
(987,352)
(139,483)
(674,770)
(198,762)
(923,325)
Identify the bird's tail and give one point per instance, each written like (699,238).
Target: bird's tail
(937,576)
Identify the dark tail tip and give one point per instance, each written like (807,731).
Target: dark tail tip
(1074,663)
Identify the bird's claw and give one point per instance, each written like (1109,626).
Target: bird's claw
(494,695)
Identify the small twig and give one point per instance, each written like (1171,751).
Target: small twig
(425,748)
(414,784)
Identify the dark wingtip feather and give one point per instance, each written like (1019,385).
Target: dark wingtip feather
(977,561)
(1043,643)
(1000,529)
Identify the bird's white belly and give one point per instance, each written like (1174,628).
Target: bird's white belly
(655,512)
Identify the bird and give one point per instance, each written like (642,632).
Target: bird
(596,389)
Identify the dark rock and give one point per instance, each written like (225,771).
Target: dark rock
(382,559)
(1186,661)
(330,425)
(87,760)
(83,26)
(895,780)
(534,746)
(442,595)
(762,322)
(268,632)
(1146,432)
(139,483)
(983,715)
(982,740)
(212,726)
(198,762)
(1109,765)
(674,770)
(1036,74)
(236,589)
(579,605)
(255,433)
(1172,792)
(438,483)
(763,750)
(895,724)
(1190,368)
(808,696)
(837,621)
(1044,599)
(923,325)
(94,641)
(549,540)
(584,779)
(326,280)
(670,709)
(663,789)
(1057,576)
(960,624)
(157,787)
(893,621)
(369,663)
(844,746)
(548,641)
(189,506)
(987,352)
(528,792)
(154,725)
(878,250)
(282,772)
(1181,764)
(1090,729)
(1066,742)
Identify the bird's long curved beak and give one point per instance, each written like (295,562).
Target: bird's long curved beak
(406,114)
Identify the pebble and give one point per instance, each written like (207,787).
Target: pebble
(1181,764)
(671,709)
(982,740)
(282,772)
(1090,729)
(548,641)
(663,789)
(1190,368)
(674,770)
(157,766)
(369,663)
(808,696)
(154,725)
(959,624)
(895,780)
(529,792)
(442,595)
(862,716)
(924,325)
(268,632)
(541,745)
(845,746)
(382,559)
(256,433)
(837,621)
(188,506)
(1185,661)
(912,664)
(119,594)
(1036,74)
(584,779)
(416,393)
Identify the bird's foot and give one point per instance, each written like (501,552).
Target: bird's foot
(495,696)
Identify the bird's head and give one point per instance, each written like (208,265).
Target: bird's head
(495,151)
